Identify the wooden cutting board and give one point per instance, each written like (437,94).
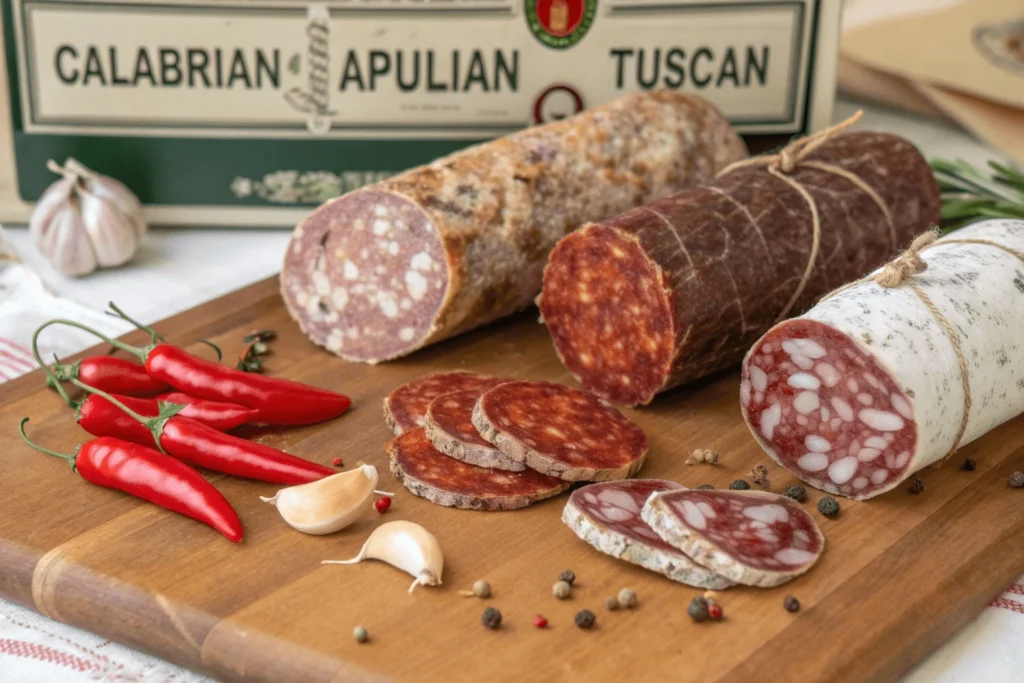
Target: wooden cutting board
(900,573)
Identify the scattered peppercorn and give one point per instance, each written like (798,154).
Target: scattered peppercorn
(481,589)
(540,622)
(382,504)
(561,590)
(796,492)
(791,604)
(714,612)
(491,618)
(969,465)
(916,485)
(585,618)
(360,634)
(698,609)
(739,485)
(337,462)
(705,487)
(569,576)
(627,598)
(759,475)
(611,602)
(828,506)
(1017,480)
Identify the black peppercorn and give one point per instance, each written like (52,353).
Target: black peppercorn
(705,487)
(585,618)
(969,465)
(796,492)
(1017,480)
(698,609)
(739,485)
(916,485)
(791,604)
(828,506)
(491,618)
(569,576)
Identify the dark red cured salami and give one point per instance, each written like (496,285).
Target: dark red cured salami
(447,247)
(406,407)
(430,474)
(607,516)
(449,426)
(750,537)
(681,287)
(560,431)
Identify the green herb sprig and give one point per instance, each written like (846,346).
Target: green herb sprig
(968,195)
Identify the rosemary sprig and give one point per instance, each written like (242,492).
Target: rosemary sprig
(969,196)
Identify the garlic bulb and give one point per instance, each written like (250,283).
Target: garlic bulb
(329,504)
(86,220)
(406,546)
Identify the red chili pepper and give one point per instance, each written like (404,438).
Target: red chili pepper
(217,414)
(151,476)
(111,374)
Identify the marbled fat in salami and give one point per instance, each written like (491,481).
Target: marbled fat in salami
(430,474)
(449,426)
(406,407)
(750,537)
(450,246)
(681,287)
(865,388)
(607,516)
(560,431)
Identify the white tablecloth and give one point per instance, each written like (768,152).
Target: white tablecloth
(178,269)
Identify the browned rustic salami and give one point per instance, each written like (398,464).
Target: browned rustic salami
(406,407)
(430,474)
(560,431)
(681,287)
(450,246)
(449,426)
(750,537)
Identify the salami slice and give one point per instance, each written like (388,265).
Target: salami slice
(430,474)
(607,516)
(447,247)
(560,431)
(754,538)
(866,388)
(449,426)
(406,407)
(681,287)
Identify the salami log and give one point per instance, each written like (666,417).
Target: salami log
(681,287)
(607,516)
(449,426)
(560,431)
(447,247)
(876,382)
(430,474)
(406,407)
(750,537)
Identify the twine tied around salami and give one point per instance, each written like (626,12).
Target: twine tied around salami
(787,160)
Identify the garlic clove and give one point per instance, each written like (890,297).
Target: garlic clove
(110,190)
(406,546)
(329,504)
(67,244)
(111,232)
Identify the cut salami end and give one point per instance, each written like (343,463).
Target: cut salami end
(607,516)
(560,431)
(449,426)
(822,406)
(406,407)
(430,474)
(750,537)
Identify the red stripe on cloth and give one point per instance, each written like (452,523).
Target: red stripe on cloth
(1015,589)
(1011,605)
(20,648)
(16,358)
(16,347)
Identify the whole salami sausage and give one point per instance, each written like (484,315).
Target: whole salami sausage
(447,247)
(888,376)
(681,287)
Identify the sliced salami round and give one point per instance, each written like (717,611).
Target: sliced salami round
(560,431)
(430,474)
(406,407)
(449,426)
(754,538)
(868,387)
(607,516)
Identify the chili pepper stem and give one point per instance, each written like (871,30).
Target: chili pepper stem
(153,424)
(69,457)
(118,313)
(56,384)
(134,350)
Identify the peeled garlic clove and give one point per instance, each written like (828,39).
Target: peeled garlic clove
(329,504)
(406,546)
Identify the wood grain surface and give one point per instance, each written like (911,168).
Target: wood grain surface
(900,573)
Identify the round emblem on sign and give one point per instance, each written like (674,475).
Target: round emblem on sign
(557,102)
(560,24)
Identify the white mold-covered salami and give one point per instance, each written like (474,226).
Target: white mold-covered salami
(447,247)
(607,516)
(754,538)
(866,388)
